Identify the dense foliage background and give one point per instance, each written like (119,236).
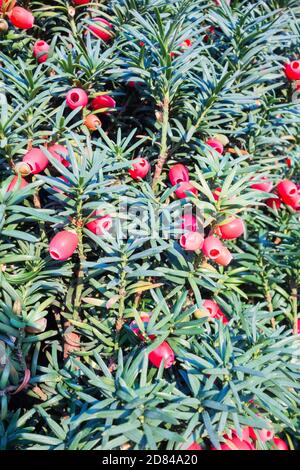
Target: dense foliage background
(85,382)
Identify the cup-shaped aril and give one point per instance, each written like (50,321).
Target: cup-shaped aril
(81,2)
(214,310)
(36,160)
(264,434)
(216,145)
(60,153)
(77,97)
(103,102)
(236,444)
(273,202)
(212,247)
(280,444)
(178,173)
(191,241)
(41,326)
(184,188)
(92,122)
(145,318)
(101,28)
(233,229)
(21,18)
(41,50)
(63,245)
(288,191)
(139,169)
(100,225)
(163,352)
(16,183)
(225,257)
(265,185)
(292,70)
(189,222)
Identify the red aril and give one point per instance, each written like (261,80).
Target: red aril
(178,173)
(76,98)
(59,152)
(36,160)
(103,102)
(92,122)
(40,51)
(17,184)
(191,241)
(216,145)
(139,169)
(233,229)
(100,225)
(63,245)
(292,70)
(280,444)
(101,28)
(184,188)
(162,352)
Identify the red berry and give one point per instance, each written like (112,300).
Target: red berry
(77,98)
(81,2)
(215,144)
(162,352)
(40,51)
(288,192)
(194,446)
(214,310)
(265,185)
(59,152)
(100,28)
(214,249)
(233,229)
(264,434)
(145,317)
(185,187)
(178,173)
(14,184)
(280,444)
(273,202)
(236,444)
(189,222)
(21,18)
(63,245)
(288,162)
(191,241)
(140,169)
(292,70)
(103,102)
(100,225)
(216,193)
(36,160)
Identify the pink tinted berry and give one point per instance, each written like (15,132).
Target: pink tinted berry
(189,222)
(178,173)
(15,185)
(214,310)
(280,444)
(36,160)
(59,152)
(237,444)
(103,102)
(216,145)
(77,97)
(266,185)
(233,229)
(100,225)
(21,18)
(139,169)
(101,28)
(40,51)
(292,70)
(63,245)
(191,241)
(184,188)
(212,247)
(264,434)
(162,352)
(225,257)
